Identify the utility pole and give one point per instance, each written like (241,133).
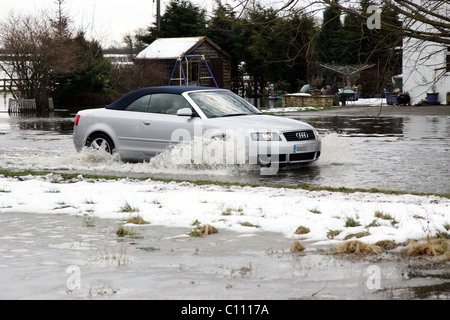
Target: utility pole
(158,15)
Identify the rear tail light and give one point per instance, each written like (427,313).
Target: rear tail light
(77,120)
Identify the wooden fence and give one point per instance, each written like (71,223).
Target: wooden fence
(7,85)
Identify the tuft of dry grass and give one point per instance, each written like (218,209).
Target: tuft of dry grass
(431,247)
(297,247)
(201,231)
(357,247)
(207,230)
(137,220)
(357,235)
(302,230)
(128,208)
(121,231)
(386,244)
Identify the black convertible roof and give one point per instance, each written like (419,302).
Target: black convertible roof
(131,96)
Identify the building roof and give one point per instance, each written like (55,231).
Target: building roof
(172,48)
(168,48)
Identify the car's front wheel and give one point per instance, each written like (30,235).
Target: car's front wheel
(100,141)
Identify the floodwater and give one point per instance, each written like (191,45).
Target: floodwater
(43,256)
(403,153)
(408,153)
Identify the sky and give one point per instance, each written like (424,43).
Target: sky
(104,20)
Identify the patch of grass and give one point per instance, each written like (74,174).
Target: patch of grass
(374,223)
(89,222)
(351,222)
(302,230)
(331,234)
(208,229)
(63,205)
(297,247)
(121,231)
(196,233)
(249,224)
(229,211)
(53,190)
(387,244)
(383,216)
(357,235)
(430,247)
(4,190)
(357,247)
(433,247)
(112,256)
(137,220)
(128,208)
(315,210)
(442,235)
(157,202)
(243,270)
(202,230)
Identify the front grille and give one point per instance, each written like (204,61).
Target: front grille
(293,157)
(302,156)
(299,135)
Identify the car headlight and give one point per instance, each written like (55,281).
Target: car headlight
(317,134)
(265,136)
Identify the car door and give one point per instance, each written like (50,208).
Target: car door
(161,127)
(127,128)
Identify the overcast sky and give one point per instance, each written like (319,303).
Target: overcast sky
(103,20)
(108,21)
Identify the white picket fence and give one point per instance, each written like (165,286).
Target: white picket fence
(16,106)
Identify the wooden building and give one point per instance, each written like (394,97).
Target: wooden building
(160,62)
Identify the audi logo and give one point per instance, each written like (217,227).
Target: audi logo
(301,135)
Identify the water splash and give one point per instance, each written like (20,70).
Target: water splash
(211,157)
(335,151)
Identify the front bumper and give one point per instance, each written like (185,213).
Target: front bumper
(282,152)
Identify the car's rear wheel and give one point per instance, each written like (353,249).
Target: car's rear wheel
(100,141)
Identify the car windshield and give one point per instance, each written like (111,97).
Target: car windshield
(222,104)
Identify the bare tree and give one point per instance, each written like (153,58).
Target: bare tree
(424,24)
(425,31)
(39,50)
(427,20)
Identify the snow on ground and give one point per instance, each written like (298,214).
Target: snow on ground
(358,103)
(172,204)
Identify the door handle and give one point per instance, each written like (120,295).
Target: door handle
(146,123)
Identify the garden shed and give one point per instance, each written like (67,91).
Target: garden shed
(164,56)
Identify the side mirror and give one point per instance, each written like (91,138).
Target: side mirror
(184,112)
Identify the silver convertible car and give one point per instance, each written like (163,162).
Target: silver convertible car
(148,121)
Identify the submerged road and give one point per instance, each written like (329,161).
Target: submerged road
(62,256)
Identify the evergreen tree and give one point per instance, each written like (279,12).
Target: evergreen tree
(90,78)
(181,19)
(328,43)
(223,30)
(275,48)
